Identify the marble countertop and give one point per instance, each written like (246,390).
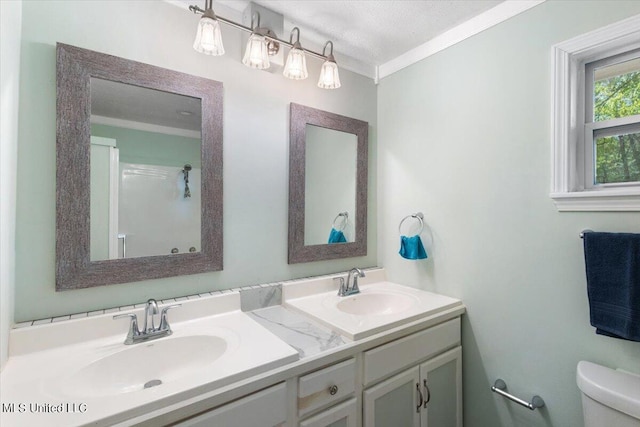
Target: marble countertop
(307,336)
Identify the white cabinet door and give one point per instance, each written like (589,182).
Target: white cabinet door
(394,402)
(441,384)
(342,415)
(266,408)
(410,350)
(429,395)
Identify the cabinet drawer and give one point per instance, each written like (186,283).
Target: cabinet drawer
(397,355)
(315,389)
(266,408)
(344,414)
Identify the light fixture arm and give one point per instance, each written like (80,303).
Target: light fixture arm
(196,9)
(330,56)
(297,43)
(208,9)
(325,48)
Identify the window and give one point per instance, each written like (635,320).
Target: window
(596,113)
(612,121)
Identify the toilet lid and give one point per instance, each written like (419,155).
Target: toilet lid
(616,389)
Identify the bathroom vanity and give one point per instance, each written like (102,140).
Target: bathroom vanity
(393,354)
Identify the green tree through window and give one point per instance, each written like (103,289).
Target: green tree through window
(618,156)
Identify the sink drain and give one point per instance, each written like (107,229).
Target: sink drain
(152,383)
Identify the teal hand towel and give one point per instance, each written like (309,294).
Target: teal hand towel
(336,236)
(412,248)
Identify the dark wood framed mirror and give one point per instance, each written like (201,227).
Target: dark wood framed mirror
(328,175)
(88,85)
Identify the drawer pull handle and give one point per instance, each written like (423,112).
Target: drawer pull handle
(428,393)
(421,397)
(333,390)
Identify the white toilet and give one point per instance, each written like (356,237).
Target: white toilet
(610,398)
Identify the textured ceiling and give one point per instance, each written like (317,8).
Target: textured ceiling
(371,31)
(138,104)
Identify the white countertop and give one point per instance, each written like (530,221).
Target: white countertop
(411,304)
(42,382)
(46,381)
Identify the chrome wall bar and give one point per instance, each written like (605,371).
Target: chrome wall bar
(584,231)
(196,9)
(500,387)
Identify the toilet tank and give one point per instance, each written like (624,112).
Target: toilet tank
(609,397)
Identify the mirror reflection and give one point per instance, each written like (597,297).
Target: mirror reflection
(327,185)
(145,172)
(330,186)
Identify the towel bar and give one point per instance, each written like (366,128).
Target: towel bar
(584,231)
(500,387)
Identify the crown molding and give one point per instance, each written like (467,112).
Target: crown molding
(476,25)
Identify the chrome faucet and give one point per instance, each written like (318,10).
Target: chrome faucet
(150,310)
(149,332)
(352,278)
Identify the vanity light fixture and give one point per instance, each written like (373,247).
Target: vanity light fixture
(256,54)
(329,77)
(208,38)
(296,66)
(262,43)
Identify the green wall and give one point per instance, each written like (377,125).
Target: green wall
(151,148)
(466,134)
(10,28)
(463,136)
(256,144)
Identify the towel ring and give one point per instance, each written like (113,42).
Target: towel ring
(344,214)
(419,216)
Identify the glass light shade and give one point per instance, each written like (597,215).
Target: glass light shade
(256,54)
(296,66)
(208,38)
(329,78)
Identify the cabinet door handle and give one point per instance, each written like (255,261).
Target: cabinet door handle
(421,397)
(333,390)
(427,392)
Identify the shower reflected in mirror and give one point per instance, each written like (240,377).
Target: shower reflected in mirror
(145,160)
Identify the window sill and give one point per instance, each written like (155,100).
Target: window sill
(569,156)
(606,200)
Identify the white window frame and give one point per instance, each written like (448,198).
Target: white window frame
(604,128)
(572,156)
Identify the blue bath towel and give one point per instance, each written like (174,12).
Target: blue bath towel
(612,262)
(412,248)
(336,236)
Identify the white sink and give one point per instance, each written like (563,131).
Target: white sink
(213,345)
(145,365)
(379,306)
(374,303)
